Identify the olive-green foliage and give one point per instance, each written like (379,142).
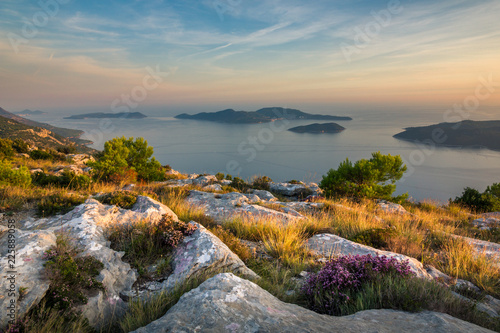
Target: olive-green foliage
(373,178)
(6,148)
(49,155)
(20,146)
(122,155)
(20,177)
(239,184)
(119,198)
(261,183)
(71,276)
(375,237)
(58,203)
(488,201)
(67,179)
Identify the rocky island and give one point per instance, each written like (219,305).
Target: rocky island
(465,134)
(264,115)
(318,128)
(121,115)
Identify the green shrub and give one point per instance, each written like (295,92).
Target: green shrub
(20,146)
(239,184)
(480,202)
(261,183)
(119,198)
(67,150)
(20,177)
(219,176)
(6,148)
(58,203)
(38,154)
(67,179)
(125,159)
(373,178)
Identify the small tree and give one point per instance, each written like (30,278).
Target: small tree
(123,158)
(489,201)
(373,178)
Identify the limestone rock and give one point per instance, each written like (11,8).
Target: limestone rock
(212,187)
(200,252)
(294,190)
(204,180)
(391,208)
(487,221)
(264,195)
(152,209)
(81,159)
(226,303)
(30,247)
(223,206)
(328,245)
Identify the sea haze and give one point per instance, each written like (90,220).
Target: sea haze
(207,147)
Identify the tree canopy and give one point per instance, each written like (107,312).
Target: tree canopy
(373,178)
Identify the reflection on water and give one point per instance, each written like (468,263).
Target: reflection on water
(265,149)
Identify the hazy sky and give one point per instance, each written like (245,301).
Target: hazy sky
(94,53)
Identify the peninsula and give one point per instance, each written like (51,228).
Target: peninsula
(465,134)
(264,115)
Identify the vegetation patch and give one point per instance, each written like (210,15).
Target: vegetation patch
(68,179)
(58,203)
(121,199)
(146,244)
(376,237)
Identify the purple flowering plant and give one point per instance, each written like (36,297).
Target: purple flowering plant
(334,285)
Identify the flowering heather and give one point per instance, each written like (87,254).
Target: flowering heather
(330,288)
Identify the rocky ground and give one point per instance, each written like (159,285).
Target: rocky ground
(225,302)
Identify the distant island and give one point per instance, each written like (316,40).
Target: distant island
(27,113)
(318,128)
(121,115)
(264,115)
(466,134)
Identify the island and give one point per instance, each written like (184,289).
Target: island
(465,134)
(264,115)
(318,128)
(27,113)
(121,115)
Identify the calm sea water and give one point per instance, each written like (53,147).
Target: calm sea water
(268,149)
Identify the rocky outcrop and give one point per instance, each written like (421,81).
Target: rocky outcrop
(223,206)
(295,190)
(24,270)
(391,208)
(202,252)
(328,245)
(487,221)
(226,303)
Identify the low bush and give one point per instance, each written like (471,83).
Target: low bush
(17,177)
(488,201)
(146,243)
(6,148)
(239,184)
(119,198)
(67,179)
(20,146)
(261,183)
(58,203)
(72,278)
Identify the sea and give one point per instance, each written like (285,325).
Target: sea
(249,150)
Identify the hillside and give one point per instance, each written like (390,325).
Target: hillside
(264,115)
(465,134)
(121,115)
(27,113)
(37,136)
(71,134)
(318,128)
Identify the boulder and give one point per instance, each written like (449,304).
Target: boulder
(391,208)
(264,195)
(80,159)
(203,251)
(328,245)
(204,180)
(26,269)
(223,206)
(36,170)
(227,303)
(73,168)
(487,221)
(295,190)
(213,187)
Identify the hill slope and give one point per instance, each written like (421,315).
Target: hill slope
(318,128)
(72,134)
(467,133)
(37,136)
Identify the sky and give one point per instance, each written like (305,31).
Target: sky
(131,54)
